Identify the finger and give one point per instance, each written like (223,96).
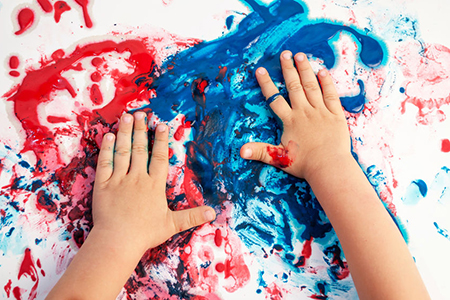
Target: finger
(308,80)
(105,159)
(292,79)
(159,163)
(192,217)
(139,150)
(330,95)
(279,105)
(123,146)
(276,156)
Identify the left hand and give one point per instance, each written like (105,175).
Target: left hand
(129,202)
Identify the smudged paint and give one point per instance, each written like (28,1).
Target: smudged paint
(25,19)
(280,157)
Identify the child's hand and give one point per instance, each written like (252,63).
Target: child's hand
(129,202)
(315,130)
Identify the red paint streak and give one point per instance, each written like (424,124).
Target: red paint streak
(28,268)
(46,5)
(60,8)
(445,146)
(280,157)
(179,133)
(96,77)
(53,119)
(96,61)
(218,238)
(38,85)
(96,95)
(87,18)
(14,73)
(306,252)
(8,288)
(14,62)
(25,18)
(222,73)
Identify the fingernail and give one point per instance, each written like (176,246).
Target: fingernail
(247,153)
(323,72)
(300,57)
(209,215)
(261,71)
(127,119)
(109,137)
(161,127)
(287,55)
(139,115)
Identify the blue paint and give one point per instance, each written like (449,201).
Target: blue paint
(442,231)
(416,191)
(402,90)
(355,104)
(229,21)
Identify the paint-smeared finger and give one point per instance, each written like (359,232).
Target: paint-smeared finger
(308,80)
(139,149)
(276,156)
(292,80)
(279,105)
(330,95)
(192,217)
(159,162)
(105,159)
(123,146)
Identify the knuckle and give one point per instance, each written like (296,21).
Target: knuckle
(294,86)
(192,219)
(122,151)
(330,96)
(139,148)
(158,156)
(105,163)
(311,86)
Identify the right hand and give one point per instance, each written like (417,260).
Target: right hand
(315,130)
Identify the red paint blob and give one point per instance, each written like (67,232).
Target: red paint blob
(87,18)
(218,238)
(96,61)
(46,5)
(60,8)
(8,288)
(96,95)
(14,62)
(220,267)
(96,77)
(58,54)
(14,73)
(17,293)
(179,133)
(445,146)
(222,73)
(25,18)
(28,268)
(279,156)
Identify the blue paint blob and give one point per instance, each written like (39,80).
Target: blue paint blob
(355,104)
(402,90)
(416,191)
(229,21)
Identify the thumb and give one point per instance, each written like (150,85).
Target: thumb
(192,217)
(276,156)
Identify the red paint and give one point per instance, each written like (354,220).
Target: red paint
(14,73)
(179,133)
(25,18)
(46,5)
(60,8)
(222,73)
(53,119)
(280,157)
(8,288)
(58,54)
(96,61)
(445,146)
(306,252)
(28,268)
(96,95)
(218,238)
(87,18)
(96,77)
(220,267)
(14,62)
(38,86)
(17,293)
